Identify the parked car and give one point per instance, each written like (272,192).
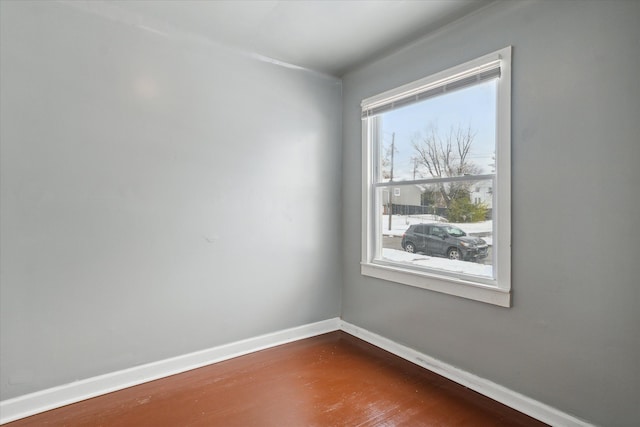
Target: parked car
(444,240)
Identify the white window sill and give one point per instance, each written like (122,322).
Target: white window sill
(447,285)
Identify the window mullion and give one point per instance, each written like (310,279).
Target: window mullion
(434,180)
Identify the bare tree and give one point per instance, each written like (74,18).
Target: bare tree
(445,156)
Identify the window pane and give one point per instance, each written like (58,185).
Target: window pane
(445,136)
(446,226)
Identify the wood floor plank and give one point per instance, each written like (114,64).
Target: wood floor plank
(333,379)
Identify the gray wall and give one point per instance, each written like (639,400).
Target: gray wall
(160,195)
(572,337)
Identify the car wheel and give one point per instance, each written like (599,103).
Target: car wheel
(410,247)
(454,253)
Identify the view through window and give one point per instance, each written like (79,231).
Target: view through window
(434,174)
(436,161)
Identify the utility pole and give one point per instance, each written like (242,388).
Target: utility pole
(393,147)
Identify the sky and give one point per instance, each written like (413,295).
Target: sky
(473,107)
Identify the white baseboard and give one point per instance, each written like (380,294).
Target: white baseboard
(517,401)
(45,400)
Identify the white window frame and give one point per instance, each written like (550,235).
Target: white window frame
(494,291)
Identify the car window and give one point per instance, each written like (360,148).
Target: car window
(455,232)
(437,231)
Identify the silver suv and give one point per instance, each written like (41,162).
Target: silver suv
(444,240)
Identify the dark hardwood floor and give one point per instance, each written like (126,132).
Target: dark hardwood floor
(329,380)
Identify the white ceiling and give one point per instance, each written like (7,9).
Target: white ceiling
(331,37)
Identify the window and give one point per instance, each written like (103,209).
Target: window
(429,148)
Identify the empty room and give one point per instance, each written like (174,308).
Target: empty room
(319,213)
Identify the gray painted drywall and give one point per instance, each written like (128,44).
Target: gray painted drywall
(160,195)
(572,337)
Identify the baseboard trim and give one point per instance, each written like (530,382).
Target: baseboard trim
(517,401)
(45,400)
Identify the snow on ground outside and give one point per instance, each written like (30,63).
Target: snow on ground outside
(400,223)
(438,263)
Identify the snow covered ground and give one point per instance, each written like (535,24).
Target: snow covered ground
(399,225)
(438,263)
